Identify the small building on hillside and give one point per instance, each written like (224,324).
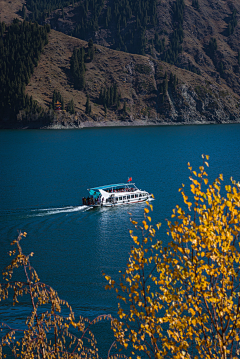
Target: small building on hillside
(58,106)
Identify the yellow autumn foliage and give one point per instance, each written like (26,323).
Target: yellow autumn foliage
(187,295)
(178,301)
(48,333)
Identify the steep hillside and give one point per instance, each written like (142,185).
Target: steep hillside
(156,28)
(186,69)
(149,98)
(10,9)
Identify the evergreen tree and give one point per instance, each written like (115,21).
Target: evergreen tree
(124,108)
(232,23)
(77,67)
(221,69)
(176,38)
(24,12)
(109,96)
(165,85)
(20,48)
(71,107)
(88,106)
(195,4)
(91,49)
(212,47)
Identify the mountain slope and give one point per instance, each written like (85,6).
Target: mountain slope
(9,9)
(199,81)
(140,80)
(210,20)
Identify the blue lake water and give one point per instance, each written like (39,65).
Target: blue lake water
(44,175)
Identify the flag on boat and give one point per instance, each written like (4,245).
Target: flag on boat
(130,179)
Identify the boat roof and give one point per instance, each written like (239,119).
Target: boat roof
(113,185)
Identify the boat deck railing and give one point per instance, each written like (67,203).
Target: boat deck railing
(122,190)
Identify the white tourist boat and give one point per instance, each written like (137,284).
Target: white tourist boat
(115,195)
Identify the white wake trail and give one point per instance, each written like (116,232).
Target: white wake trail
(50,211)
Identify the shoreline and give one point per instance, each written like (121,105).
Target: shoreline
(109,124)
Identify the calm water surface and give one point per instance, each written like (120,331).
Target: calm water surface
(44,175)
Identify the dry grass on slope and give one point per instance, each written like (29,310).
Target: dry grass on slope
(9,10)
(138,79)
(109,66)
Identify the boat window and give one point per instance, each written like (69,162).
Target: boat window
(124,197)
(132,196)
(120,198)
(136,195)
(116,198)
(128,197)
(140,195)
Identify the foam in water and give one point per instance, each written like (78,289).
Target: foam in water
(69,209)
(50,211)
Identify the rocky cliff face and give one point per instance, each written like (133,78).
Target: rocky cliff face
(208,85)
(210,19)
(201,105)
(202,86)
(140,79)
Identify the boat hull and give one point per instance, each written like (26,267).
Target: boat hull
(120,203)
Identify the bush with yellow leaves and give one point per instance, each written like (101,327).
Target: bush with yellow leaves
(183,301)
(49,333)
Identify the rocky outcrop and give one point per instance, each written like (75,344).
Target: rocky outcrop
(189,98)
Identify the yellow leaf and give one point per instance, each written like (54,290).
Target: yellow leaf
(135,239)
(191,311)
(134,222)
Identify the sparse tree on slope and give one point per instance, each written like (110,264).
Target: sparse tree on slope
(88,106)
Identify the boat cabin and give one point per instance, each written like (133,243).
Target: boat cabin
(116,194)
